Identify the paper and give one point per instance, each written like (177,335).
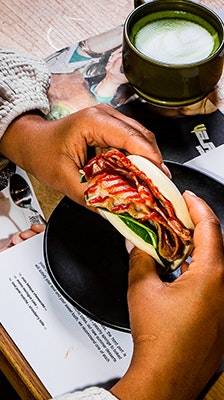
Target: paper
(210,163)
(67,350)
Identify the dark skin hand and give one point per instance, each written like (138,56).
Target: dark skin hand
(178,327)
(54,151)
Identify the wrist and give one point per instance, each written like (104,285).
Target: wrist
(153,374)
(24,140)
(139,382)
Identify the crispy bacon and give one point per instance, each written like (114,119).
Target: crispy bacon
(115,184)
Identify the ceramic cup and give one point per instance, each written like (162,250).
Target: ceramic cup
(167,84)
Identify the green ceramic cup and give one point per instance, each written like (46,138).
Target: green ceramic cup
(166,84)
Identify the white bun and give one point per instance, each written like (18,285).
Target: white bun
(170,192)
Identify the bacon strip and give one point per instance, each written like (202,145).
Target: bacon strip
(115,184)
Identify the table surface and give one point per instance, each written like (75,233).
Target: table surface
(40,28)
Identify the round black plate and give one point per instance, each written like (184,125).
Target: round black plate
(86,257)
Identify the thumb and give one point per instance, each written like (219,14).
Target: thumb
(142,268)
(208,241)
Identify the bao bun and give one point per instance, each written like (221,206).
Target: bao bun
(170,191)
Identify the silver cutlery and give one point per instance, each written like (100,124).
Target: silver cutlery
(21,194)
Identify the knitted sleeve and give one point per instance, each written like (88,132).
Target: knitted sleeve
(93,393)
(24,82)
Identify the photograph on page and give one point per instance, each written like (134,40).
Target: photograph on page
(17,221)
(88,73)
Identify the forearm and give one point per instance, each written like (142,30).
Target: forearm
(143,383)
(161,372)
(143,379)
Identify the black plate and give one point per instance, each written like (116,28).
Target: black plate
(86,256)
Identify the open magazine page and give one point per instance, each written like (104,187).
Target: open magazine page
(13,218)
(67,350)
(88,73)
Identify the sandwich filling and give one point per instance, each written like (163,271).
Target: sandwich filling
(117,185)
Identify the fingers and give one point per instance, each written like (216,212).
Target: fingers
(138,130)
(16,239)
(129,121)
(208,242)
(113,129)
(70,183)
(27,234)
(142,267)
(37,228)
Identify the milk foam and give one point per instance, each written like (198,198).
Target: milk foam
(174,41)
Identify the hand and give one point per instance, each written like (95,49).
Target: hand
(177,328)
(27,234)
(54,151)
(19,237)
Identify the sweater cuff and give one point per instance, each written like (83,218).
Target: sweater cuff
(93,393)
(24,83)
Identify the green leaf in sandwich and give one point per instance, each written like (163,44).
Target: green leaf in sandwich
(142,203)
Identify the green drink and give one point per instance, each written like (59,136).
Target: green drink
(173,51)
(175,37)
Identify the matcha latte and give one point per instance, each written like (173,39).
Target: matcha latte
(177,41)
(173,52)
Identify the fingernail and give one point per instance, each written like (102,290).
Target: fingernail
(129,246)
(190,193)
(166,170)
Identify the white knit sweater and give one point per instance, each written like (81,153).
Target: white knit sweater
(93,393)
(24,83)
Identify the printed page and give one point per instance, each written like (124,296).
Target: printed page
(211,163)
(67,350)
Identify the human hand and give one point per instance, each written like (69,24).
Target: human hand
(54,151)
(178,327)
(27,234)
(19,237)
